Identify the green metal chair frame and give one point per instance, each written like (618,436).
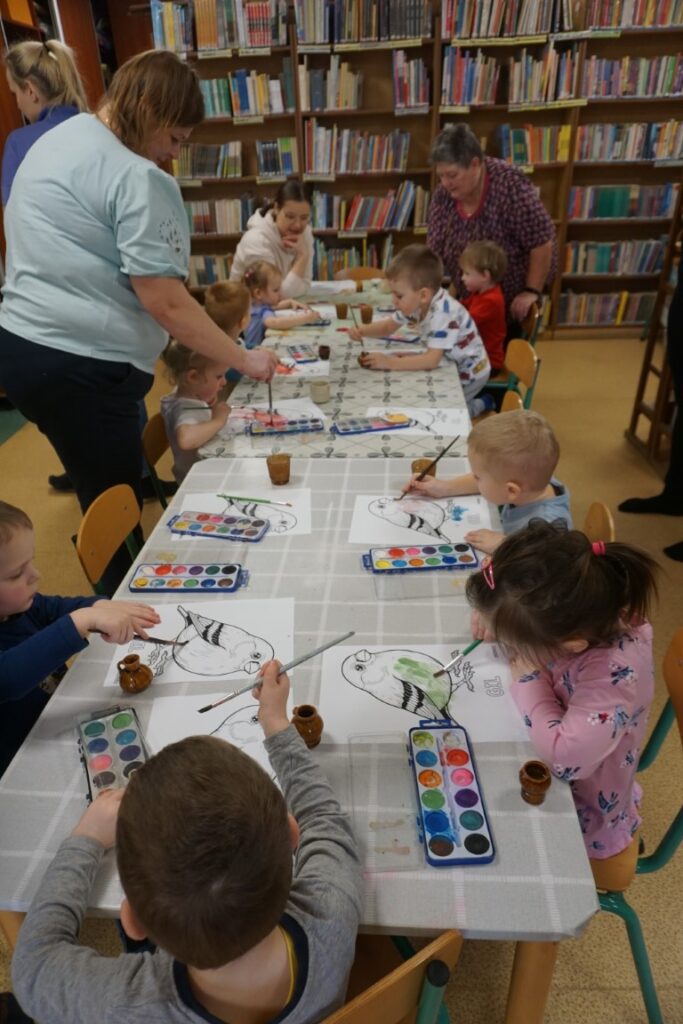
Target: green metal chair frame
(615,902)
(154,444)
(512,381)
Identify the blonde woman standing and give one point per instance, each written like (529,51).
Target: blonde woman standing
(48,89)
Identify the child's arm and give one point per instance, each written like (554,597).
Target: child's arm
(191,436)
(291,304)
(428,360)
(283,323)
(377,329)
(433,488)
(574,740)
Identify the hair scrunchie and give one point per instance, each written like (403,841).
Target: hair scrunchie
(598,547)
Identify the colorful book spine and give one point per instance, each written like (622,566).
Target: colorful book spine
(644,256)
(605,309)
(659,141)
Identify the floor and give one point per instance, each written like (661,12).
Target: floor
(586,391)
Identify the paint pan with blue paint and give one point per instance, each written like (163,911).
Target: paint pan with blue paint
(112,748)
(185,577)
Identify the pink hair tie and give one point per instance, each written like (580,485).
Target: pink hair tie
(487,572)
(598,547)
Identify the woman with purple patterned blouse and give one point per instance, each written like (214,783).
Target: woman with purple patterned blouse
(481,198)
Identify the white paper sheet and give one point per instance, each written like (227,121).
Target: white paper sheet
(379,519)
(391,687)
(174,718)
(444,422)
(322,288)
(226,640)
(284,521)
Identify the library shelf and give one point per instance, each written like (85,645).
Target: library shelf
(614,221)
(367,112)
(620,275)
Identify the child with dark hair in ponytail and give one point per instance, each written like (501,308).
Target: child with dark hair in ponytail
(573,616)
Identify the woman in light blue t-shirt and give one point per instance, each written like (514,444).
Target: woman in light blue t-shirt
(98,252)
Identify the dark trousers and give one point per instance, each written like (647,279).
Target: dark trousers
(673,482)
(88,410)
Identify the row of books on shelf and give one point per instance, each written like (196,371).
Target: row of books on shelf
(398,209)
(605,309)
(207,161)
(278,157)
(328,261)
(206,270)
(468,80)
(527,144)
(651,140)
(551,77)
(587,202)
(330,151)
(220,216)
(222,24)
(479,19)
(644,256)
(355,21)
(411,82)
(635,13)
(633,76)
(333,88)
(245,93)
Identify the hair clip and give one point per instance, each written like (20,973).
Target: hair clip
(487,573)
(598,547)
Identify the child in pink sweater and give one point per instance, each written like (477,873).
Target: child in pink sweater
(573,615)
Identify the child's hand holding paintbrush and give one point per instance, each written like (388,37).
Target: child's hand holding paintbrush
(272,694)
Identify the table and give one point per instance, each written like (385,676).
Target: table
(538,890)
(353,391)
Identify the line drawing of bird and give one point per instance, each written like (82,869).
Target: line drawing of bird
(208,647)
(402,678)
(412,514)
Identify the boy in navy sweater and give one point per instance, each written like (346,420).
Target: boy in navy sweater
(38,633)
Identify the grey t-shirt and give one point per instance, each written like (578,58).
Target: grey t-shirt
(59,982)
(516,517)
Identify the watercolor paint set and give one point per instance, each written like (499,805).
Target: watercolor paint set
(370,424)
(203,577)
(112,747)
(421,558)
(452,817)
(302,353)
(280,425)
(218,527)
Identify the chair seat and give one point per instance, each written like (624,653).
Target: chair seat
(615,874)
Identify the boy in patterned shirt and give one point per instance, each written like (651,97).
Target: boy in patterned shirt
(443,325)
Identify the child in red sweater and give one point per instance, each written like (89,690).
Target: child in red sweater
(483,265)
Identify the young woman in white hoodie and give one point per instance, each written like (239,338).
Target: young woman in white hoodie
(280,234)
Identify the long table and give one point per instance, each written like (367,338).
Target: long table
(538,890)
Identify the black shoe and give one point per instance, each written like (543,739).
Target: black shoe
(10,1011)
(169,487)
(660,504)
(60,482)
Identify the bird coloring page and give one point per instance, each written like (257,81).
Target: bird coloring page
(382,519)
(226,640)
(387,688)
(441,422)
(283,521)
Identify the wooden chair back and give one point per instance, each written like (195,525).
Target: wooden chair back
(358,274)
(107,525)
(599,523)
(522,361)
(531,323)
(512,401)
(672,670)
(395,998)
(154,440)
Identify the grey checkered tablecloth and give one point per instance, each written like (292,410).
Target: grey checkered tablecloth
(538,887)
(353,391)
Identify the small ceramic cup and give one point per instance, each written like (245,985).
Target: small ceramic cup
(535,779)
(366,314)
(342,310)
(324,352)
(320,391)
(420,465)
(278,468)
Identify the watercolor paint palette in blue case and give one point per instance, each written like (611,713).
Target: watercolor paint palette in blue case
(218,527)
(421,558)
(112,748)
(452,820)
(370,424)
(300,425)
(302,353)
(203,577)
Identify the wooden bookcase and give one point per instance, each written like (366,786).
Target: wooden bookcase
(554,180)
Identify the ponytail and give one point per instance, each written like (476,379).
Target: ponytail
(51,69)
(546,585)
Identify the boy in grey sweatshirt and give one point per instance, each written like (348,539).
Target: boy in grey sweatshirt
(204,850)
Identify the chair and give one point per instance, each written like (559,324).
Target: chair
(531,324)
(358,273)
(108,523)
(409,991)
(154,445)
(614,875)
(512,401)
(521,365)
(599,523)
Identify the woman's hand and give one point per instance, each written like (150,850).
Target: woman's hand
(521,304)
(260,363)
(296,244)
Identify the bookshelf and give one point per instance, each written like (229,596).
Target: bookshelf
(531,80)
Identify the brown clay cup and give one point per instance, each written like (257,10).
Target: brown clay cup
(366,314)
(324,352)
(134,677)
(278,468)
(421,465)
(342,309)
(362,360)
(535,779)
(308,724)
